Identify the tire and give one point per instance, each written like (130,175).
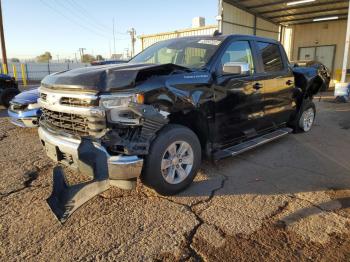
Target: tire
(306,117)
(7,95)
(172,179)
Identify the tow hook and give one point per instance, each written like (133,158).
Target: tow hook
(65,199)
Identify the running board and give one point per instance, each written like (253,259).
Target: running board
(250,144)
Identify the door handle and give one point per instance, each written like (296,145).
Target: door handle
(290,82)
(257,86)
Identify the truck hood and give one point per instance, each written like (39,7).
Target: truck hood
(108,78)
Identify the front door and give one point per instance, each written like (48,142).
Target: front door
(238,106)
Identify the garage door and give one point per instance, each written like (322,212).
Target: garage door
(323,54)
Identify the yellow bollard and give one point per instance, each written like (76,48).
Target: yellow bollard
(24,76)
(4,67)
(14,69)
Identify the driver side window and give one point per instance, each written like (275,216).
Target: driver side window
(238,51)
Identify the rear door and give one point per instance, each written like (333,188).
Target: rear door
(277,83)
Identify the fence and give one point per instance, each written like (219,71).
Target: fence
(37,71)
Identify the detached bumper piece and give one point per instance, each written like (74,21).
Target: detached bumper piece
(65,199)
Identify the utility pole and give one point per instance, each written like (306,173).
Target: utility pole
(2,35)
(132,33)
(114,50)
(81,51)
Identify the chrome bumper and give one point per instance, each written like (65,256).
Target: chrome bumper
(27,118)
(65,150)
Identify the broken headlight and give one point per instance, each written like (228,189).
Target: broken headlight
(121,100)
(117,108)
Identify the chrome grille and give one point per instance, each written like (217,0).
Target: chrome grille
(73,123)
(17,107)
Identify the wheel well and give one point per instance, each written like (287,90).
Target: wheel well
(195,121)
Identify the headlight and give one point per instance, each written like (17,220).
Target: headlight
(33,106)
(117,107)
(115,101)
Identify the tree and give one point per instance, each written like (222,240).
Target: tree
(46,57)
(99,58)
(87,58)
(14,60)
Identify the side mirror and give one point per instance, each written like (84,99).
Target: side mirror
(236,68)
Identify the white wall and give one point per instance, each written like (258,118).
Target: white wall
(238,21)
(320,34)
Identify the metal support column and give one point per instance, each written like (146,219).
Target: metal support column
(346,50)
(255,22)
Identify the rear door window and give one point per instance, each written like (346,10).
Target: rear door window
(271,57)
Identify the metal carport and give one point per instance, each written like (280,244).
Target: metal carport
(271,18)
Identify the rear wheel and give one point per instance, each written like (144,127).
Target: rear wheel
(306,117)
(173,160)
(7,95)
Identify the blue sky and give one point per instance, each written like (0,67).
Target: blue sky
(63,26)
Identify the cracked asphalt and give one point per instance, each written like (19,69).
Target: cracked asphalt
(285,201)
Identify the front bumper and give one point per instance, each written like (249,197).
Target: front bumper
(27,118)
(65,149)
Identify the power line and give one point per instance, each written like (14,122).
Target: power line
(84,14)
(71,20)
(91,17)
(68,9)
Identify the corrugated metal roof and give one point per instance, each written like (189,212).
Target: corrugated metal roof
(281,13)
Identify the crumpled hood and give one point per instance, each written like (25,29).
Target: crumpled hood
(107,78)
(27,97)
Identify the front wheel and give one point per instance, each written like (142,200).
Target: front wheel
(173,160)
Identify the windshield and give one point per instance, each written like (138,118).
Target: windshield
(187,52)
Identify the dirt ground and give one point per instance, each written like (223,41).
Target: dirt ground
(286,201)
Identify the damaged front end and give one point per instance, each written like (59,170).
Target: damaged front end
(113,156)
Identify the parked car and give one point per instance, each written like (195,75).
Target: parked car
(8,89)
(108,62)
(24,109)
(323,70)
(174,103)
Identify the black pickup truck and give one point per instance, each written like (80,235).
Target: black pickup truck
(176,102)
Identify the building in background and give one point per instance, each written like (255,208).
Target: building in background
(198,28)
(308,29)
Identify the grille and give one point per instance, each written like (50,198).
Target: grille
(17,107)
(78,102)
(73,123)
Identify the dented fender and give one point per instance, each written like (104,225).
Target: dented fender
(309,80)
